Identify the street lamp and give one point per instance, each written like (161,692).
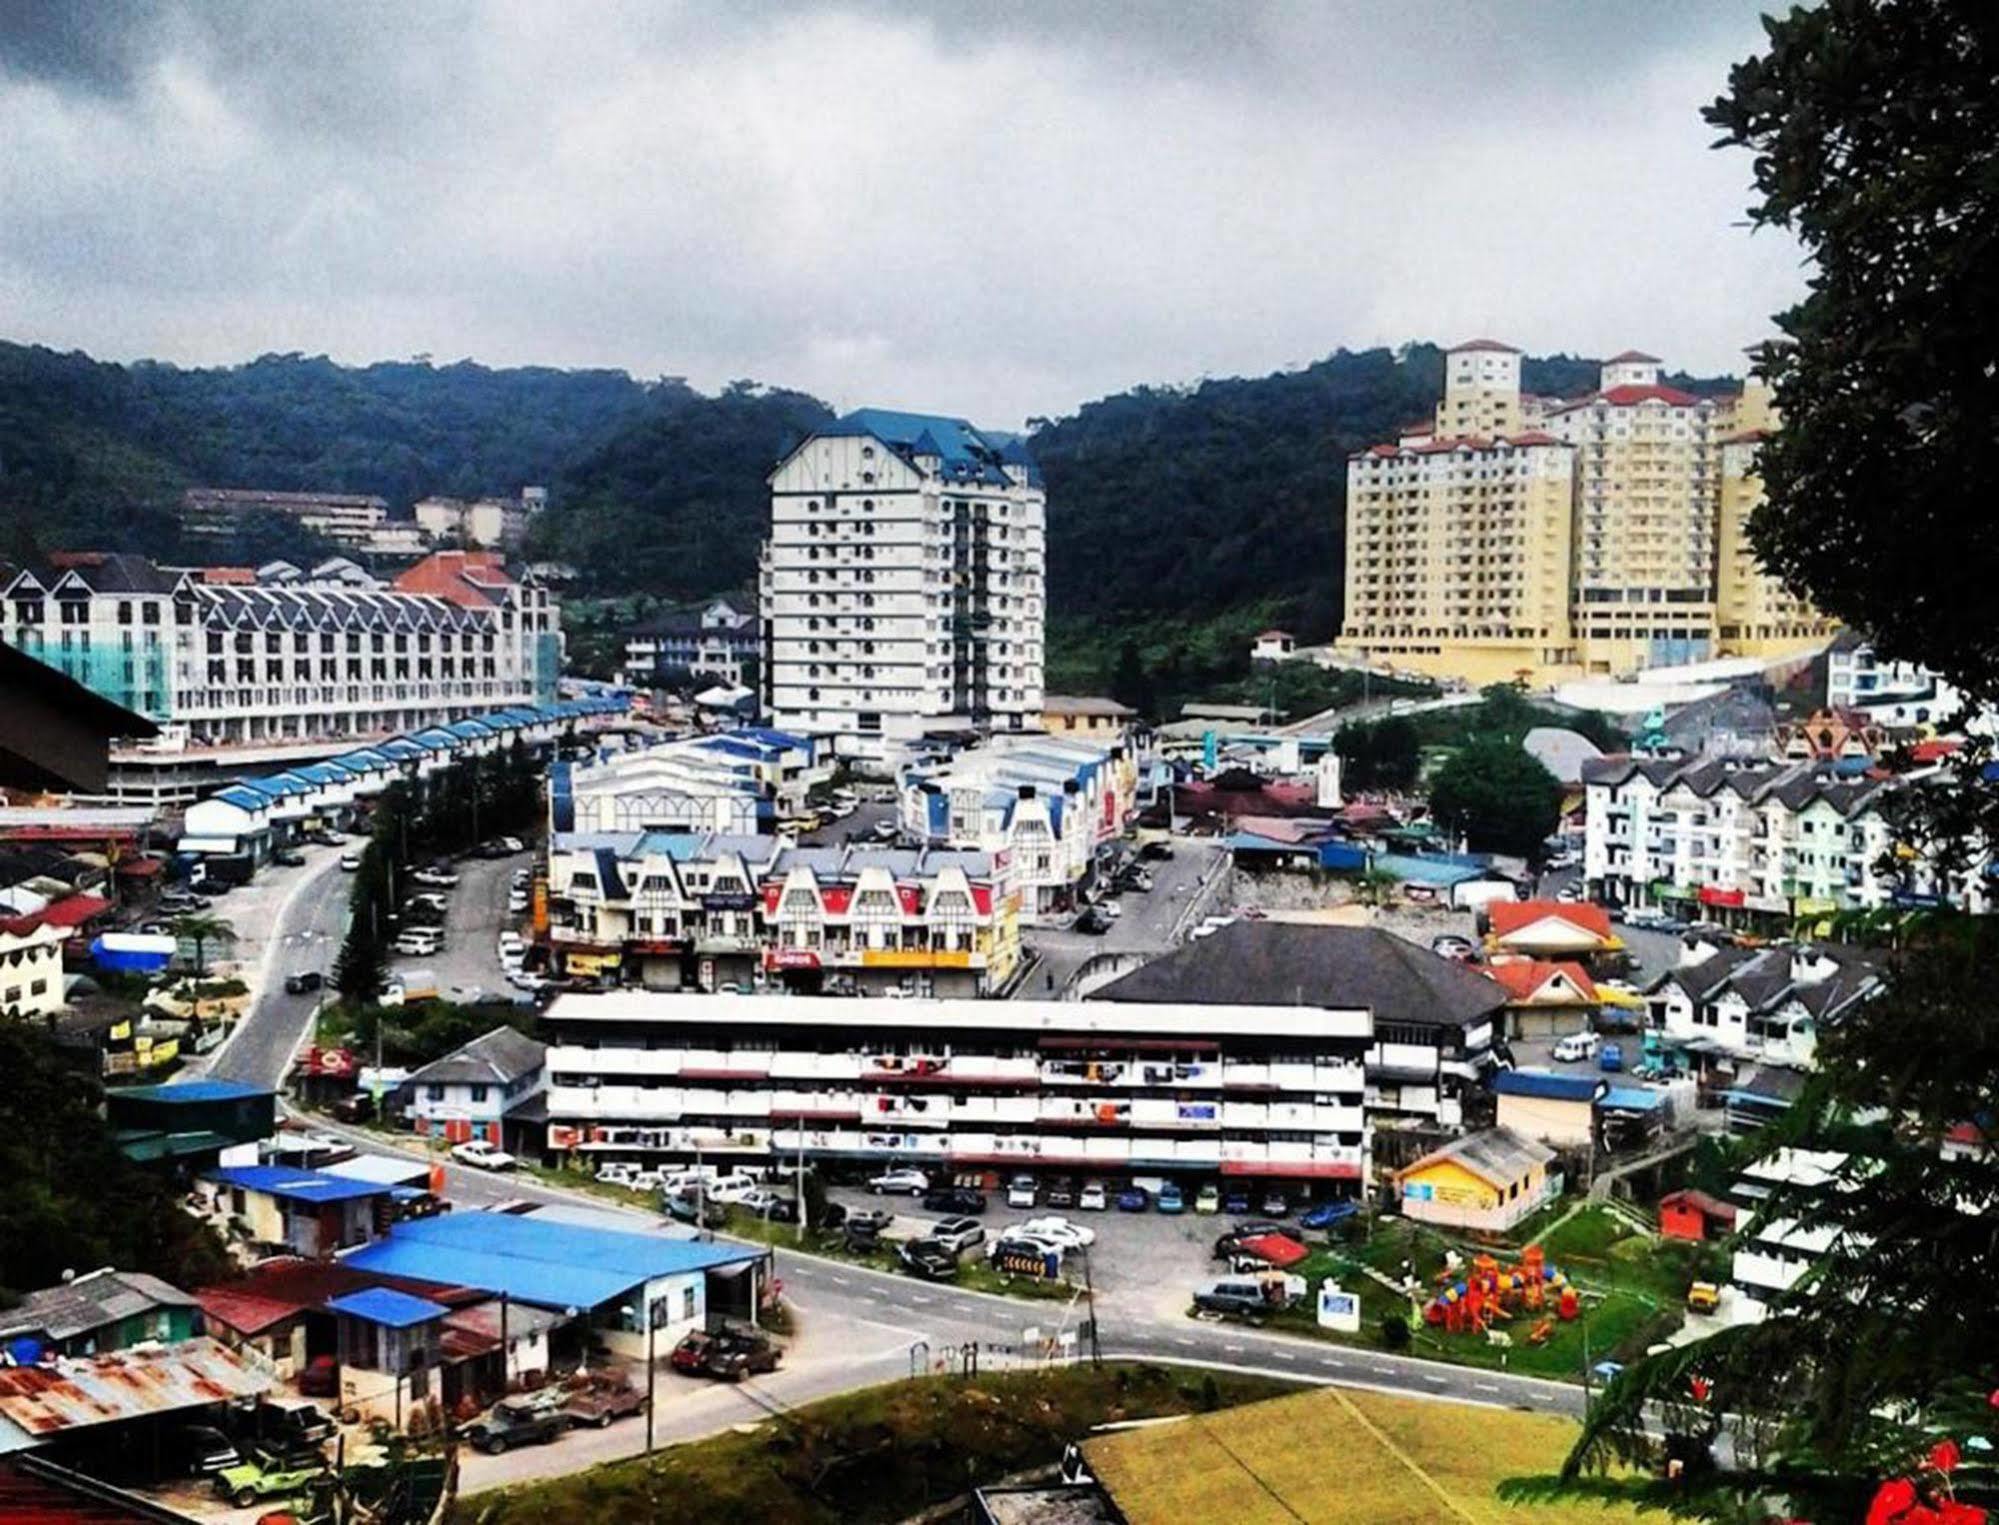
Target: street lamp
(652,1363)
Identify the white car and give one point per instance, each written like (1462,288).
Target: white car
(513,844)
(517,904)
(1576,1046)
(524,979)
(1111,908)
(485,1156)
(440,877)
(616,1172)
(417,947)
(731,1188)
(351,862)
(1056,1228)
(1021,1192)
(1094,1198)
(904,1182)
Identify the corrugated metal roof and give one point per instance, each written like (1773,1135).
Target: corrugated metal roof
(73,1394)
(391,1309)
(294,1185)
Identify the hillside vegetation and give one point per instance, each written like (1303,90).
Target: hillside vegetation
(1188,515)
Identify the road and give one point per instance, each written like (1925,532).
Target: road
(301,932)
(1148,923)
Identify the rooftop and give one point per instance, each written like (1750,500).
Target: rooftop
(555,1265)
(1266,963)
(295,1185)
(37,1402)
(387,1307)
(90,1302)
(1497,1156)
(499,1057)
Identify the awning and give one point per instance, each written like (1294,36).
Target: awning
(207,845)
(1715,895)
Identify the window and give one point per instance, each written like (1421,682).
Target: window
(433,1093)
(687,1299)
(478,1094)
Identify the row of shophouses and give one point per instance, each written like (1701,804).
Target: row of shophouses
(252,816)
(1739,840)
(717,911)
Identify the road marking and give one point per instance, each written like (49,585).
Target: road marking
(841,1281)
(1178,1340)
(1382,1371)
(1486,1387)
(1234,1350)
(916,1297)
(1437,1381)
(1284,1355)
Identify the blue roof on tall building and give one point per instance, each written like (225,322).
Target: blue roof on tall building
(535,1260)
(962,449)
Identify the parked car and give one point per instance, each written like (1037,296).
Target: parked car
(517,1421)
(1093,1198)
(1061,1192)
(1575,1046)
(886,831)
(957,1234)
(902,1181)
(1094,921)
(1158,850)
(1170,1199)
(321,1377)
(1233,1295)
(729,1354)
(303,980)
(732,1187)
(267,1475)
(684,1208)
(1328,1214)
(954,1199)
(291,1425)
(1452,946)
(1703,1297)
(928,1259)
(603,1401)
(1133,1199)
(1210,925)
(1021,1191)
(1208,1199)
(1610,1058)
(485,1156)
(351,862)
(442,878)
(1054,1226)
(286,857)
(1274,1204)
(199,1450)
(761,1202)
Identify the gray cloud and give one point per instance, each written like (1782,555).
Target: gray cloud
(1001,209)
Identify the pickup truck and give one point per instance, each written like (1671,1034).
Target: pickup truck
(521,1421)
(601,1402)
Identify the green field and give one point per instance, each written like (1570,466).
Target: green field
(878,1455)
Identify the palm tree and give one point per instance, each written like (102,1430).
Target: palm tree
(201,930)
(1376,886)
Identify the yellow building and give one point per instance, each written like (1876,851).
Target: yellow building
(1757,615)
(1088,715)
(1647,477)
(1486,1181)
(1537,538)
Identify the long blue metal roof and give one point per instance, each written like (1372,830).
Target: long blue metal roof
(295,1185)
(388,1307)
(534,1260)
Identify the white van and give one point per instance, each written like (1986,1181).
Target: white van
(1576,1046)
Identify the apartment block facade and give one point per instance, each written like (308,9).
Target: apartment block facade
(220,664)
(902,590)
(1720,837)
(1529,536)
(349,520)
(1119,1090)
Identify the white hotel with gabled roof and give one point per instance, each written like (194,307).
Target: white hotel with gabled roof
(902,589)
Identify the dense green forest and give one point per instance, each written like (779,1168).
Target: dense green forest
(1180,518)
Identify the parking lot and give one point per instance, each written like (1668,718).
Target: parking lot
(476,913)
(1147,1262)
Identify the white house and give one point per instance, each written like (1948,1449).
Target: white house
(468,1094)
(30,973)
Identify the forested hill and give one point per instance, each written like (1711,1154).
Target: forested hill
(95,454)
(1173,503)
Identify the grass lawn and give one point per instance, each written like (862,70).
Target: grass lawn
(1631,1290)
(878,1455)
(1339,1456)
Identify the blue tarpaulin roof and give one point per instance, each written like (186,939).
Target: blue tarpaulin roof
(384,1305)
(1546,1085)
(295,1185)
(552,1265)
(1634,1098)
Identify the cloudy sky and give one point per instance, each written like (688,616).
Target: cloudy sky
(999,208)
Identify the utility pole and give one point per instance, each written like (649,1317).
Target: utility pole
(800,1178)
(1090,1297)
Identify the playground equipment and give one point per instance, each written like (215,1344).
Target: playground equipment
(1490,1292)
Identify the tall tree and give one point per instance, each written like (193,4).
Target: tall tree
(1875,126)
(1496,795)
(202,929)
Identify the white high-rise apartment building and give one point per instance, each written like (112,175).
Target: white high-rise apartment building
(903,586)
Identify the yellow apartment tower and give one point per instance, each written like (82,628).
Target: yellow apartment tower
(1457,559)
(1756,615)
(1552,538)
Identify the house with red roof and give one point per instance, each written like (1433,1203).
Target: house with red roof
(1549,929)
(1545,998)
